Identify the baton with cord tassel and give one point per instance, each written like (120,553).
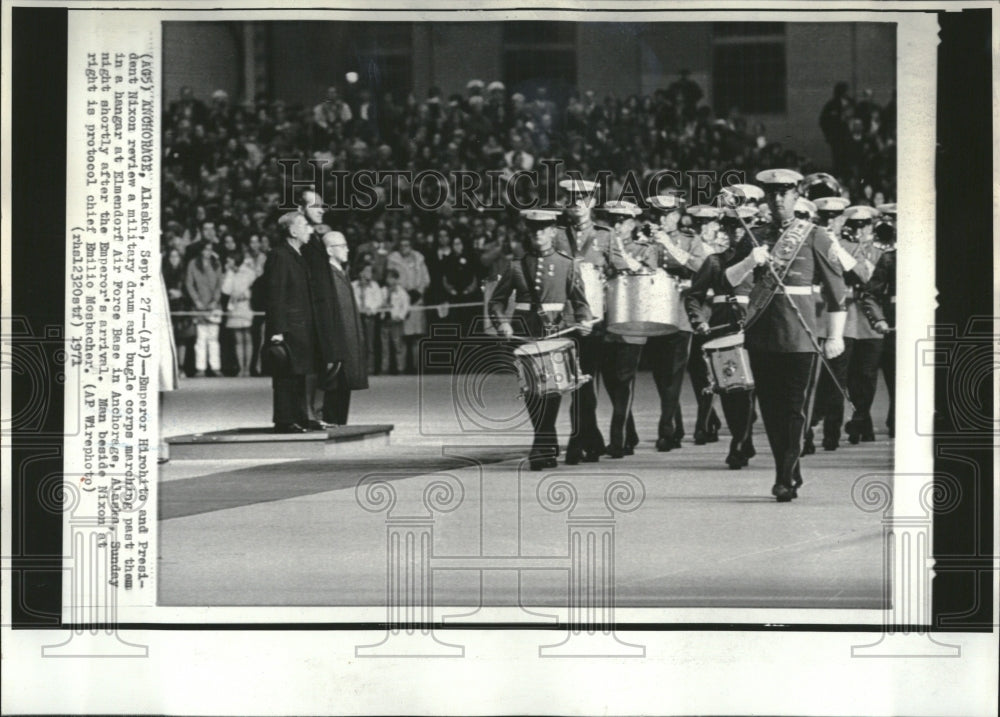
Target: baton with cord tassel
(812,338)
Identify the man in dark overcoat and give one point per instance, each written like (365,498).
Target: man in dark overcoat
(290,321)
(341,337)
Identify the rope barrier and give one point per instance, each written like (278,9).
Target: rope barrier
(413,307)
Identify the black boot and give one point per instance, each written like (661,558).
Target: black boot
(853,431)
(808,447)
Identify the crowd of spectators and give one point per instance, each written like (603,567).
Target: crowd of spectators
(225,181)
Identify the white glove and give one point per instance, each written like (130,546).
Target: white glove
(760,255)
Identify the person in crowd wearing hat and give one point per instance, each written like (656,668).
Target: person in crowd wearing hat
(549,296)
(792,255)
(878,302)
(341,335)
(290,324)
(707,422)
(629,253)
(863,343)
(825,396)
(591,244)
(712,303)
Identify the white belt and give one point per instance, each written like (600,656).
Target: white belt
(796,290)
(522,306)
(726,299)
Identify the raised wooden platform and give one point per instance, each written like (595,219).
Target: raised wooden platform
(263,442)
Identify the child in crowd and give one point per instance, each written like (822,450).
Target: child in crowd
(395,309)
(370,298)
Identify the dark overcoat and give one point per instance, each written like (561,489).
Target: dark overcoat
(338,322)
(290,306)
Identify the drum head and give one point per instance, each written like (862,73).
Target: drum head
(724,342)
(542,347)
(643,328)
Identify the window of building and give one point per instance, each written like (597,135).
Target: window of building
(384,56)
(540,54)
(748,68)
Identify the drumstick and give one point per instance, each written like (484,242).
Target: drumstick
(568,329)
(574,327)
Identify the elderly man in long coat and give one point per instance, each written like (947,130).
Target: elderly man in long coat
(290,322)
(341,337)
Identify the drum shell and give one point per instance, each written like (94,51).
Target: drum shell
(729,364)
(644,305)
(548,367)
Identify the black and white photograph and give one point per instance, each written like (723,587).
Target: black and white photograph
(528,254)
(590,349)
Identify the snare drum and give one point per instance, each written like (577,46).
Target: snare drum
(729,363)
(548,367)
(593,288)
(647,304)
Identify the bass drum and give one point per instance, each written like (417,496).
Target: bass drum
(646,304)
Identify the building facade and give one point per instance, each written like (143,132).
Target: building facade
(778,74)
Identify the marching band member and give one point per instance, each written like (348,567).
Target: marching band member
(549,295)
(827,400)
(878,303)
(707,423)
(866,350)
(820,185)
(748,195)
(682,254)
(780,323)
(805,209)
(591,244)
(726,307)
(621,354)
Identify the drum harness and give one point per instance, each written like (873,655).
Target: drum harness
(780,285)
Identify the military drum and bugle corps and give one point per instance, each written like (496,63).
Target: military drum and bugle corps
(779,298)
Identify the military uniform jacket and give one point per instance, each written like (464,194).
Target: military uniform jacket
(592,243)
(709,282)
(654,255)
(547,281)
(855,279)
(777,328)
(867,256)
(878,298)
(692,245)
